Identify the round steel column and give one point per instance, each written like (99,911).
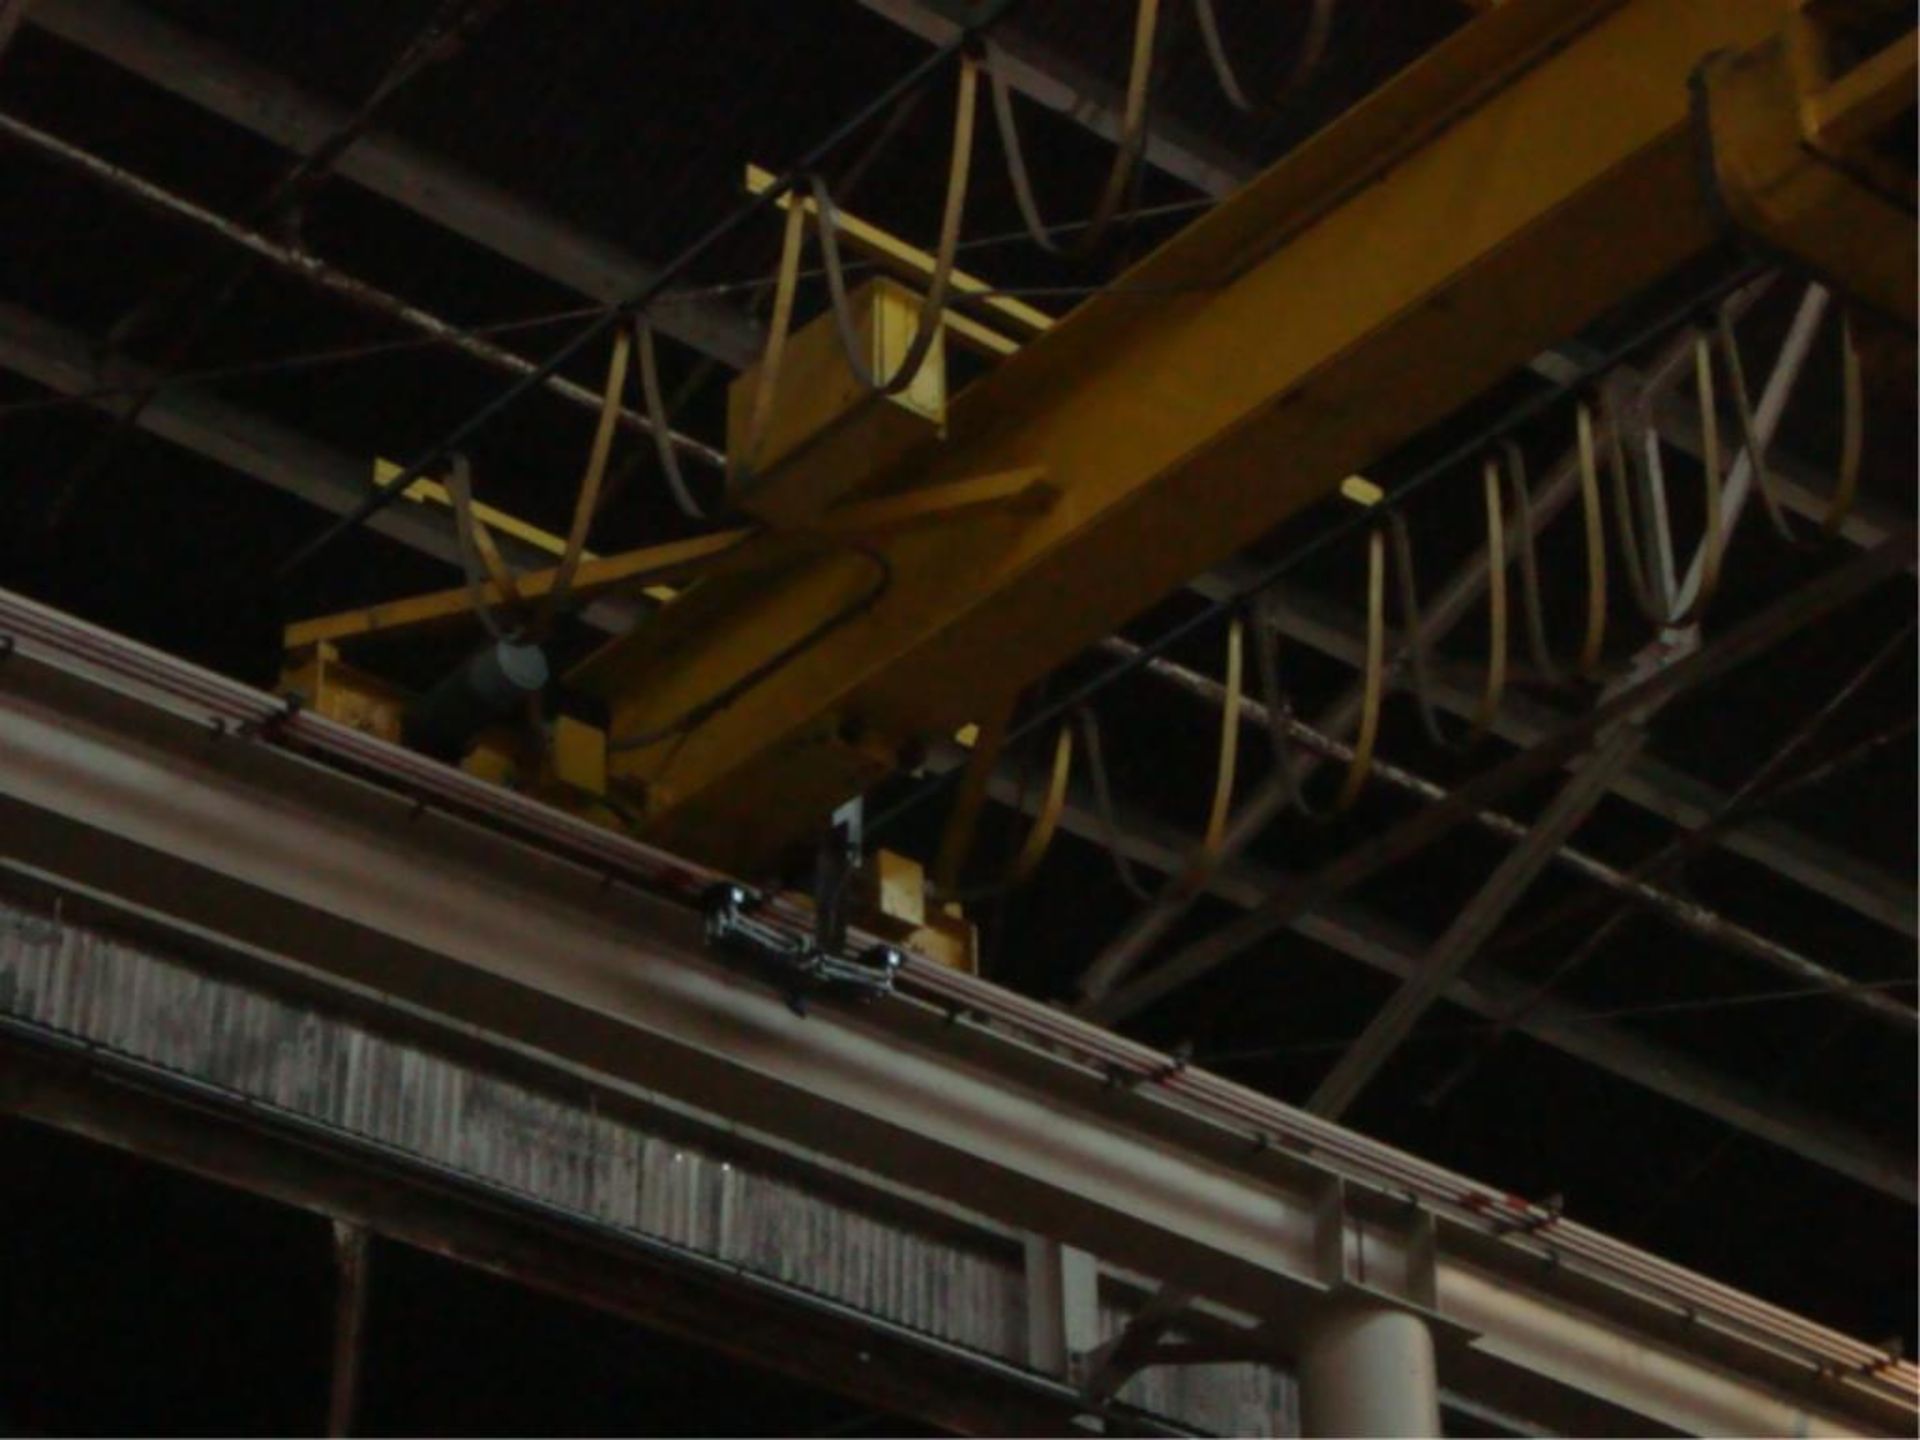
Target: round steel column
(1367,1369)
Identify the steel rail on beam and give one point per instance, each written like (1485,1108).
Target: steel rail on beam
(108,766)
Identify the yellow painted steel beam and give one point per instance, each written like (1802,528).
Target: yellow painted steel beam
(1864,102)
(1782,136)
(1508,188)
(704,556)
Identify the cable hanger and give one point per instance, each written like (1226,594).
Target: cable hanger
(1132,142)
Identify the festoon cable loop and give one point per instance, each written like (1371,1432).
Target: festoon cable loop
(1373,691)
(1091,744)
(1046,824)
(480,558)
(1132,142)
(1594,524)
(1852,430)
(1313,46)
(933,305)
(658,419)
(1546,668)
(1630,520)
(587,500)
(741,463)
(1414,624)
(1713,540)
(1213,838)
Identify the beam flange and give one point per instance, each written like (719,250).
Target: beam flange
(101,785)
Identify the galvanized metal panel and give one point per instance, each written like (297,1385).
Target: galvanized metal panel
(293,1056)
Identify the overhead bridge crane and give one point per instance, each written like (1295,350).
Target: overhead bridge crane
(910,562)
(916,559)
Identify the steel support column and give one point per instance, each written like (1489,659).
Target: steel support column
(1367,1368)
(350,1255)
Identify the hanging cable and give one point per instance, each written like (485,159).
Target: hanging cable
(1223,70)
(1047,823)
(1213,838)
(1750,441)
(1039,837)
(1090,743)
(480,558)
(1132,142)
(1414,623)
(1313,46)
(760,414)
(587,502)
(933,305)
(1376,673)
(1533,606)
(1713,541)
(1630,523)
(657,420)
(1852,430)
(1595,526)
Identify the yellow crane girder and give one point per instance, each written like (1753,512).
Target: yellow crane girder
(1506,189)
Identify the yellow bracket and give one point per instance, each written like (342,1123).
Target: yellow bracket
(912,263)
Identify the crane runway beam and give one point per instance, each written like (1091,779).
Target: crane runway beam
(112,780)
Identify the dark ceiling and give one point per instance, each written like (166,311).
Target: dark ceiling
(635,123)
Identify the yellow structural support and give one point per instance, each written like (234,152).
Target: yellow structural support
(1529,173)
(659,570)
(1791,159)
(827,432)
(1014,317)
